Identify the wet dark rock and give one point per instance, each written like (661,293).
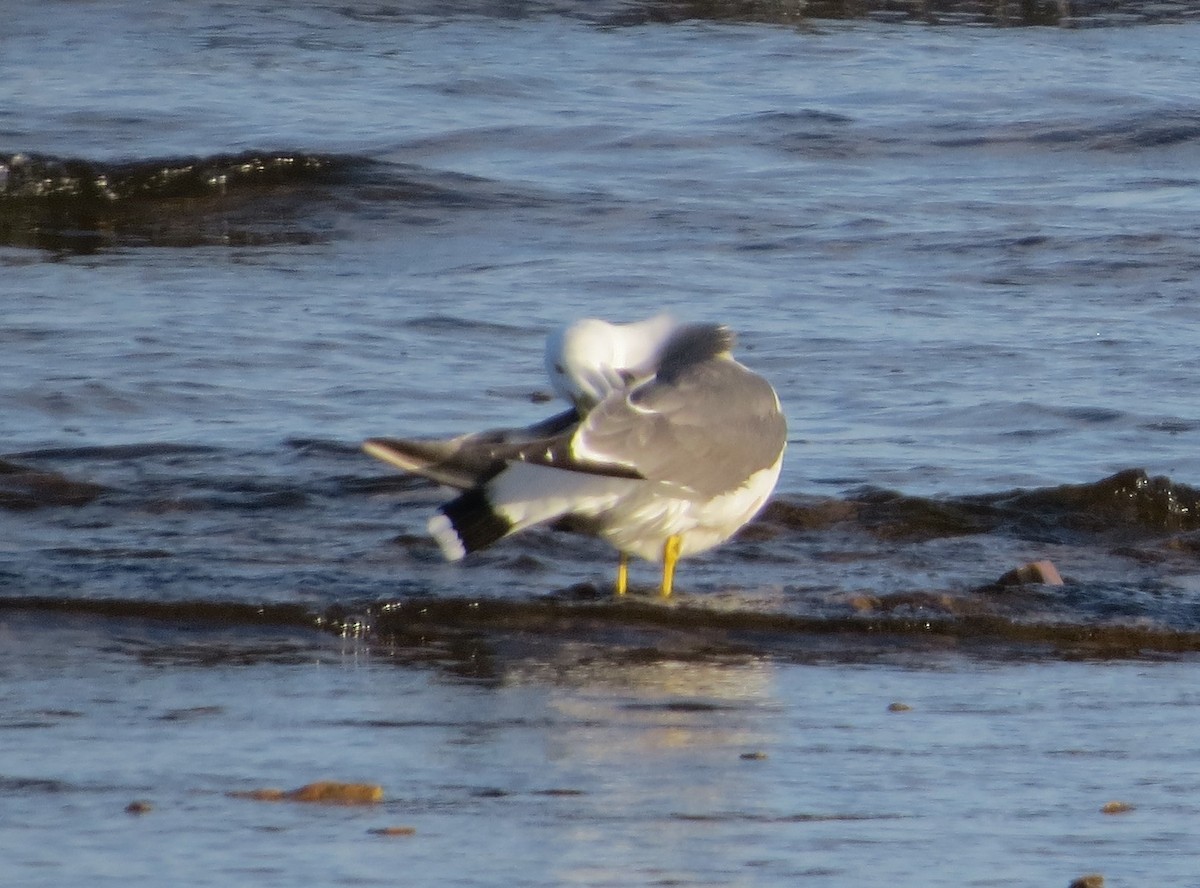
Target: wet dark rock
(899,707)
(1091,880)
(139,806)
(1042,573)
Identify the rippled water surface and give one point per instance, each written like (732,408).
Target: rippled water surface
(235,240)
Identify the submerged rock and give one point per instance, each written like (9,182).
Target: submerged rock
(392,831)
(23,489)
(1034,573)
(326,792)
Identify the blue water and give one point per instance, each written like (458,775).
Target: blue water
(966,258)
(895,218)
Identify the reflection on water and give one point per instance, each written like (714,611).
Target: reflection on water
(659,707)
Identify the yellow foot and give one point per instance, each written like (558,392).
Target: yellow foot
(623,575)
(670,557)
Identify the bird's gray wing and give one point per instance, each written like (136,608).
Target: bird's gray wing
(707,428)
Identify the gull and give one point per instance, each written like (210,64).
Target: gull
(672,446)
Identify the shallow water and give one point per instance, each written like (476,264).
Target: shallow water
(598,770)
(250,236)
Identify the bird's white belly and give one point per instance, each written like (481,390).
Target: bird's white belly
(641,523)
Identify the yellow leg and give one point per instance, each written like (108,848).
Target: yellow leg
(623,574)
(670,557)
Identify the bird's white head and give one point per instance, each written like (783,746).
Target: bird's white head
(590,359)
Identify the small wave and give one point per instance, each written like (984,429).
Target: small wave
(148,450)
(80,205)
(212,612)
(461,634)
(10,786)
(33,177)
(1161,128)
(1130,500)
(716,632)
(617,13)
(808,133)
(176,527)
(1091,13)
(1127,504)
(249,199)
(457,326)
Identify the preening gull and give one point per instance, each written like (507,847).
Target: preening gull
(590,359)
(672,446)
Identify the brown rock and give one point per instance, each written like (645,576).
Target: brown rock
(1091,880)
(332,793)
(899,707)
(326,792)
(139,806)
(258,795)
(1116,808)
(864,603)
(1033,573)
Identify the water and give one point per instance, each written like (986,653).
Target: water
(237,240)
(624,771)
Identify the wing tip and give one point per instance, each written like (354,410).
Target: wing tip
(386,449)
(466,524)
(444,534)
